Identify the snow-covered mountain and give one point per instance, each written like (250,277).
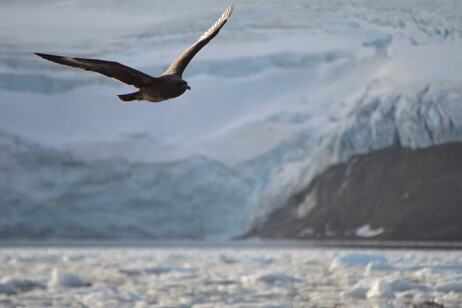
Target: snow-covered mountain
(286,90)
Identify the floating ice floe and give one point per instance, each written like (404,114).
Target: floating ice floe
(380,289)
(374,267)
(451,286)
(270,278)
(158,270)
(358,291)
(60,278)
(357,259)
(107,297)
(402,284)
(258,260)
(228,259)
(23,285)
(383,288)
(7,289)
(366,231)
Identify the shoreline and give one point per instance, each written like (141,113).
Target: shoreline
(231,244)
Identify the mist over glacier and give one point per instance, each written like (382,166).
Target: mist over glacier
(284,91)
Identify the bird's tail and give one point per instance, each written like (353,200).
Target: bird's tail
(129,97)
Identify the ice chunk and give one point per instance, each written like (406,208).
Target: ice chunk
(380,289)
(273,278)
(366,231)
(103,297)
(402,284)
(270,278)
(356,259)
(23,285)
(157,270)
(228,259)
(8,289)
(452,286)
(60,278)
(358,291)
(373,267)
(259,260)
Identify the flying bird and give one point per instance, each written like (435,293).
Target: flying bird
(153,89)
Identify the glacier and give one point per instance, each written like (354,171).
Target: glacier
(47,193)
(285,91)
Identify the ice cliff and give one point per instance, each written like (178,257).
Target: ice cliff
(49,193)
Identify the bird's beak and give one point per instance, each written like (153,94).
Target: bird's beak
(188,87)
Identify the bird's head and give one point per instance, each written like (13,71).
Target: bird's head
(184,85)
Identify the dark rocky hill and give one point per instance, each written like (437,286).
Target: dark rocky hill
(394,193)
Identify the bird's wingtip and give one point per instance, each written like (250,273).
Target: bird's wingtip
(49,57)
(231,8)
(42,55)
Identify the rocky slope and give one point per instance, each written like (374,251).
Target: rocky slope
(394,193)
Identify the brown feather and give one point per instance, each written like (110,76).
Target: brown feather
(110,69)
(179,64)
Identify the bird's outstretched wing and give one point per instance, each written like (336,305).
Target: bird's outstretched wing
(179,64)
(110,69)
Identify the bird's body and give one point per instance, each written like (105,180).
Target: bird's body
(161,89)
(153,89)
